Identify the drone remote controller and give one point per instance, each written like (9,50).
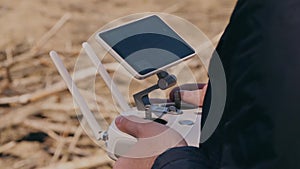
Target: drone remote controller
(184,121)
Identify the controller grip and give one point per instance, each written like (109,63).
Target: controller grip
(118,142)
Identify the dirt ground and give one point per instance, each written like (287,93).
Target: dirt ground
(38,125)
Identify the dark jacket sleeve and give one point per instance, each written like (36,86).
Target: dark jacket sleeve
(260,126)
(261,58)
(182,158)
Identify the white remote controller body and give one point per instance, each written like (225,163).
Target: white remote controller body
(118,143)
(187,124)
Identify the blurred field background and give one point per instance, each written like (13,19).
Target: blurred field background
(38,125)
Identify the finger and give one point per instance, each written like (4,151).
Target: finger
(131,125)
(203,94)
(188,87)
(192,97)
(149,134)
(134,163)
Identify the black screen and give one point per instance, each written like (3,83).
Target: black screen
(147,44)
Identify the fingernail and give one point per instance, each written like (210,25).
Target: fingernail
(118,120)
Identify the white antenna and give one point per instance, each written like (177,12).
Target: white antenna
(105,76)
(87,114)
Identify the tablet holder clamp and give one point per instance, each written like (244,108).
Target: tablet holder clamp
(142,101)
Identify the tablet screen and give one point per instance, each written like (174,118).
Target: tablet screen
(147,45)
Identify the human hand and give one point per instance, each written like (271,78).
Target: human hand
(195,97)
(153,139)
(191,93)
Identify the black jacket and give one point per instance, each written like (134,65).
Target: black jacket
(260,126)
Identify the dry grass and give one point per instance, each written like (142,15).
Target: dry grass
(38,125)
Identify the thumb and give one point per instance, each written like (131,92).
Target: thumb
(191,97)
(150,132)
(131,125)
